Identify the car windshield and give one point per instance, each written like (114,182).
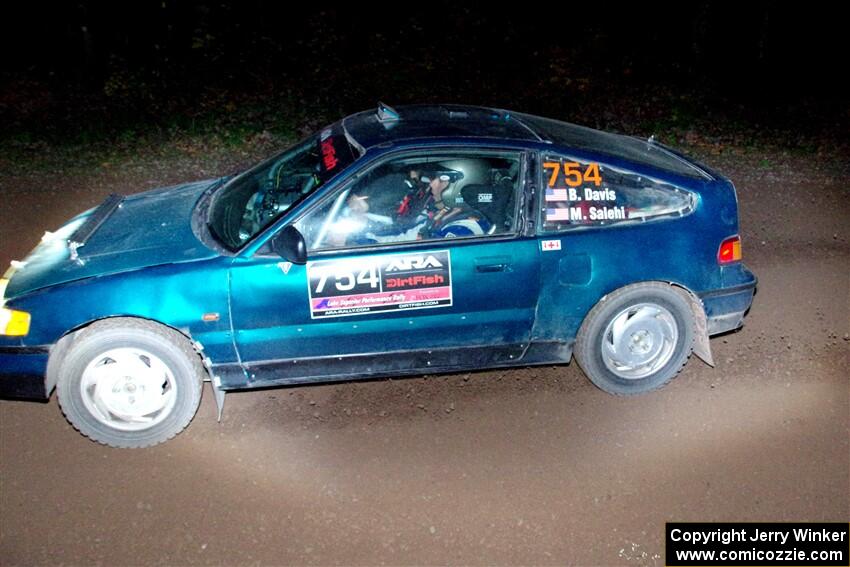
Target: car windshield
(254,199)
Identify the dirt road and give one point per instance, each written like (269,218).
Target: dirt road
(531,466)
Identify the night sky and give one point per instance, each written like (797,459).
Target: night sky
(760,61)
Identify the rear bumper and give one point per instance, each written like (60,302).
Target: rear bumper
(22,371)
(725,308)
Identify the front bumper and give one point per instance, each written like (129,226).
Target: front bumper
(22,371)
(725,308)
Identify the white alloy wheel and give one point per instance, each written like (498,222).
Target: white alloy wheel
(129,382)
(639,340)
(128,389)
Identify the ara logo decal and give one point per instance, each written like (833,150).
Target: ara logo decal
(408,263)
(284,267)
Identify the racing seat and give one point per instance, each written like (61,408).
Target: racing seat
(492,203)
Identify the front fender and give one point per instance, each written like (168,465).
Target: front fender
(191,297)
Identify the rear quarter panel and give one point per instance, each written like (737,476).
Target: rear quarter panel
(596,260)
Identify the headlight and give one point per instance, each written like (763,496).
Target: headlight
(14,323)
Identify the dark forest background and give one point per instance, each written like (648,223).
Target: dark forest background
(92,72)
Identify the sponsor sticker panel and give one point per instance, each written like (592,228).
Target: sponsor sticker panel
(374,284)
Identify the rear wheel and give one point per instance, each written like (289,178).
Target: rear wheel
(130,383)
(636,339)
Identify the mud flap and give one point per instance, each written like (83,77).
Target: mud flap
(218,394)
(702,348)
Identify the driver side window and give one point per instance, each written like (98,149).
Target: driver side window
(422,197)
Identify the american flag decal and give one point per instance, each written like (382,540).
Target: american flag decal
(558,214)
(556,194)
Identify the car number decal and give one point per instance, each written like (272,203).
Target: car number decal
(374,284)
(574,203)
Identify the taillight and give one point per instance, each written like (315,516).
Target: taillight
(730,250)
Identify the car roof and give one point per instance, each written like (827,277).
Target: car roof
(435,121)
(415,122)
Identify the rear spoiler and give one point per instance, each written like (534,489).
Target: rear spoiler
(92,223)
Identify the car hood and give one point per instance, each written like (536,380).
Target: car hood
(146,229)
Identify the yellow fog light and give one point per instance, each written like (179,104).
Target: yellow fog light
(14,323)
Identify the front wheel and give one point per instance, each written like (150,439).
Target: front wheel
(636,339)
(130,383)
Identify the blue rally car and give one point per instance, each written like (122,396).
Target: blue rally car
(419,240)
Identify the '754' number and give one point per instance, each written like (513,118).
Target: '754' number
(573,174)
(346,280)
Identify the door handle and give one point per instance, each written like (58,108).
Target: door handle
(485,268)
(490,264)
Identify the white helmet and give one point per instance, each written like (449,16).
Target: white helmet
(462,172)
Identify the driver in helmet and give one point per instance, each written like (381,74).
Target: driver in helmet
(441,211)
(446,215)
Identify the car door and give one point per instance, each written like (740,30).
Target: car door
(386,296)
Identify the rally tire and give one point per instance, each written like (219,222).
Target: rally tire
(130,383)
(636,339)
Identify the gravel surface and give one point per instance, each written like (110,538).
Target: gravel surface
(532,466)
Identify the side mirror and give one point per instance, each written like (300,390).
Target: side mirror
(289,244)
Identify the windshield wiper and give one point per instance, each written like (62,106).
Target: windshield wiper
(94,222)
